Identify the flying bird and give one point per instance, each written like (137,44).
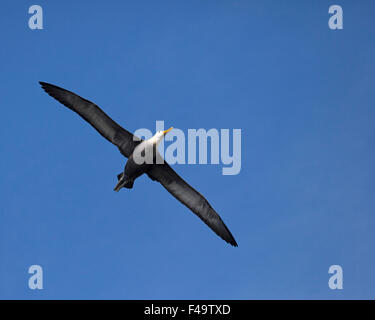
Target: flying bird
(134,148)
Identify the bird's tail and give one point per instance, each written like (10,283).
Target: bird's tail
(123,182)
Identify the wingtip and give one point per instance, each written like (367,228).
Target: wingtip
(44,85)
(51,89)
(227,236)
(233,243)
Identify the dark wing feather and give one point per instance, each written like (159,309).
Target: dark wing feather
(191,198)
(89,111)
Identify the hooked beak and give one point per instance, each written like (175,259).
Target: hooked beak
(166,131)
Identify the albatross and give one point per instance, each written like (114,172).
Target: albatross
(130,146)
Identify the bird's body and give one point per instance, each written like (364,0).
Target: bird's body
(132,169)
(131,172)
(143,158)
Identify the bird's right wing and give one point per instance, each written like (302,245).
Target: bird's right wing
(191,198)
(89,111)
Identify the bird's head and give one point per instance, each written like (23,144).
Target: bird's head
(159,135)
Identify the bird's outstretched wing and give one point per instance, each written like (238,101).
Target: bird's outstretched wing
(89,111)
(191,198)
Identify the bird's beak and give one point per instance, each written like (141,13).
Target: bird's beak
(166,131)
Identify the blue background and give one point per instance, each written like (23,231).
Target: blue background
(301,93)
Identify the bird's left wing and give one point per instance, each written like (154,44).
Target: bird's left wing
(89,111)
(191,198)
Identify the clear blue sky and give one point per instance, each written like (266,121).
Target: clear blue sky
(301,93)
